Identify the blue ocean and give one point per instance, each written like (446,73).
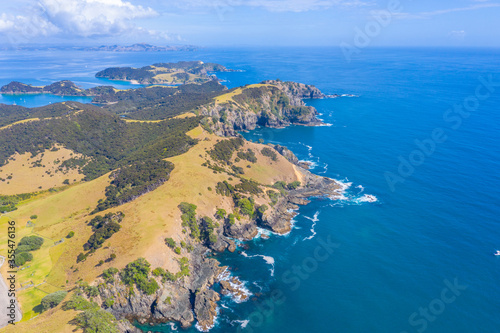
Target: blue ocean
(421,134)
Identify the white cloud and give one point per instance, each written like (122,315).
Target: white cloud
(76,18)
(457,34)
(274,5)
(424,15)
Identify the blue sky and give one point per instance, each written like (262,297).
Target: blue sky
(253,22)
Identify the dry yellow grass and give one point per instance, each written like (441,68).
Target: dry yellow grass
(141,121)
(267,171)
(226,98)
(25,178)
(52,321)
(148,221)
(185,115)
(20,122)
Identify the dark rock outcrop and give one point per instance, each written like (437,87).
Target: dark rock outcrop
(245,231)
(205,308)
(272,104)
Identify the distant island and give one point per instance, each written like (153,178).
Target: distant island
(138,47)
(182,72)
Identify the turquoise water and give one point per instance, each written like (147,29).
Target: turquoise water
(393,261)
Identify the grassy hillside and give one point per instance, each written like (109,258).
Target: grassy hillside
(148,220)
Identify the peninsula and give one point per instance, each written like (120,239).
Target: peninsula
(126,196)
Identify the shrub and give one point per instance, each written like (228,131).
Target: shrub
(271,153)
(109,302)
(280,186)
(262,209)
(95,320)
(220,214)
(224,149)
(112,256)
(34,242)
(81,257)
(189,218)
(293,185)
(165,275)
(53,300)
(246,207)
(177,250)
(104,227)
(274,196)
(108,274)
(70,234)
(136,273)
(249,155)
(33,217)
(22,258)
(170,242)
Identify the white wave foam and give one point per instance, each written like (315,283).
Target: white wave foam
(325,168)
(258,286)
(269,260)
(226,276)
(314,219)
(367,198)
(173,327)
(243,323)
(216,319)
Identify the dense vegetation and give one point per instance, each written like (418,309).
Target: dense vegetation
(92,318)
(248,155)
(24,247)
(132,181)
(126,73)
(107,141)
(189,219)
(146,74)
(137,273)
(155,103)
(53,300)
(8,202)
(271,153)
(12,113)
(224,149)
(208,234)
(103,227)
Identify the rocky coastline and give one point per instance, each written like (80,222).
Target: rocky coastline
(192,298)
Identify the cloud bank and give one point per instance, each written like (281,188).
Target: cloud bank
(75,18)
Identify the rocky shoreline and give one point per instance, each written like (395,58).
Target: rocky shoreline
(192,298)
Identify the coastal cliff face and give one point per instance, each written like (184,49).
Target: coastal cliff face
(269,104)
(192,298)
(184,300)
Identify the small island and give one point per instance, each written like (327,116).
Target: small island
(182,72)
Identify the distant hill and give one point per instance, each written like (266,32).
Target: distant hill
(138,47)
